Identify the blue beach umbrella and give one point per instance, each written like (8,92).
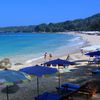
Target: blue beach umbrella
(10,77)
(39,71)
(92,54)
(59,62)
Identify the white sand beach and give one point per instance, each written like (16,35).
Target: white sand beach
(90,39)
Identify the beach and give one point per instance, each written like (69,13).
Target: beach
(75,53)
(76,74)
(50,50)
(92,39)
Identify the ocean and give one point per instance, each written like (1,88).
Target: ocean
(20,47)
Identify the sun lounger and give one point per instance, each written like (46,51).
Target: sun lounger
(42,97)
(67,87)
(96,71)
(48,96)
(87,89)
(63,90)
(54,96)
(71,85)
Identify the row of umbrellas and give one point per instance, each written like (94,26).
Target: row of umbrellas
(9,77)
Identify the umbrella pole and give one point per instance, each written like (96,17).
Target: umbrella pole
(59,77)
(89,60)
(98,64)
(7,93)
(37,86)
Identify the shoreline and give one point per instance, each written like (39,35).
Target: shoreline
(73,49)
(87,41)
(78,48)
(22,57)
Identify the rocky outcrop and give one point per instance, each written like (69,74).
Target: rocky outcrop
(5,63)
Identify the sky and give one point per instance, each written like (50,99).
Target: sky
(33,12)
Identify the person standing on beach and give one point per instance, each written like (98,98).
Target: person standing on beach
(68,57)
(50,56)
(82,52)
(45,56)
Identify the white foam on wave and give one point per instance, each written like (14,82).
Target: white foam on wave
(34,59)
(73,46)
(77,41)
(78,38)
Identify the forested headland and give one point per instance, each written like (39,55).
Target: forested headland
(91,23)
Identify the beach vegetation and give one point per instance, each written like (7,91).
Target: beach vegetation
(87,24)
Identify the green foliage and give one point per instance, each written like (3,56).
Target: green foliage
(88,24)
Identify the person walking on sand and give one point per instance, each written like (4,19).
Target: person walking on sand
(50,56)
(82,52)
(68,57)
(45,56)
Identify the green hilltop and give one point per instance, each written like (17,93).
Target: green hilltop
(87,24)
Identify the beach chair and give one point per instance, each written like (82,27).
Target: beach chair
(48,96)
(54,96)
(71,85)
(96,71)
(87,89)
(97,60)
(42,97)
(67,87)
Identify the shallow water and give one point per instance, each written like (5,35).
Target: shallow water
(23,46)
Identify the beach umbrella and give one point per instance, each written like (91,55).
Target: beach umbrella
(92,54)
(59,62)
(39,71)
(10,77)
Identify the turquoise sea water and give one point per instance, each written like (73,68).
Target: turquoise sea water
(34,44)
